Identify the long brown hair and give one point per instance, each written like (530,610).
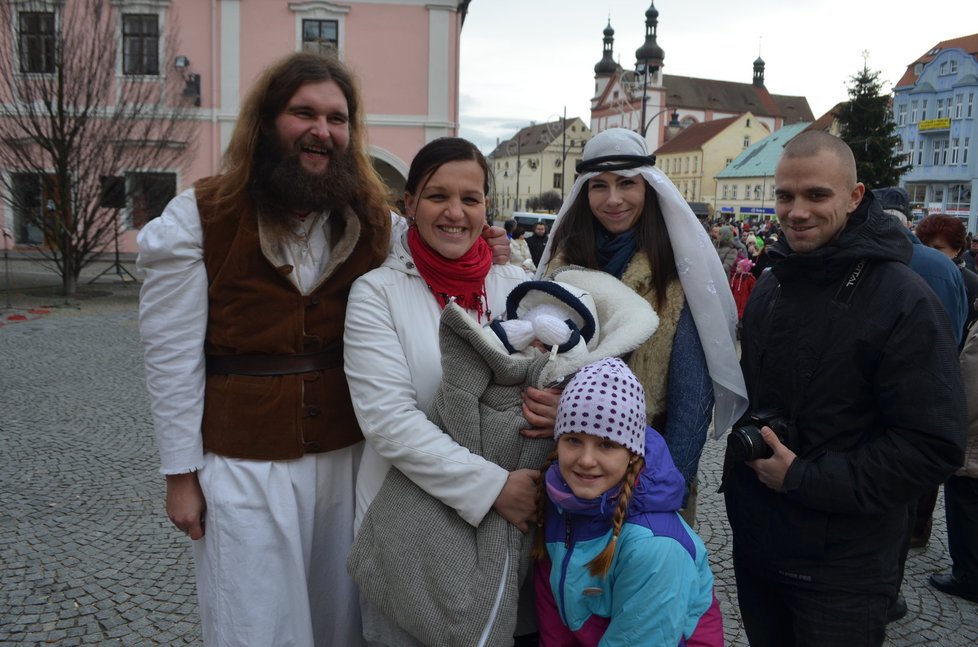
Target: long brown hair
(599,566)
(267,99)
(575,239)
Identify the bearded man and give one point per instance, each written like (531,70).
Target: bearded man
(241,314)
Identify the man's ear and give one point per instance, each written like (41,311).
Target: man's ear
(856,196)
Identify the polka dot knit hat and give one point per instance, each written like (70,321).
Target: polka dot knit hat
(604,399)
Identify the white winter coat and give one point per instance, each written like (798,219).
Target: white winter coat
(393,366)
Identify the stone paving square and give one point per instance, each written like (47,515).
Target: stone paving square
(87,555)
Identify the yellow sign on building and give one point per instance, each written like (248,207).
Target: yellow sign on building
(935,124)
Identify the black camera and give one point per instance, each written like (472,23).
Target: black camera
(744,443)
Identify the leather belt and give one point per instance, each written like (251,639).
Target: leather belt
(264,365)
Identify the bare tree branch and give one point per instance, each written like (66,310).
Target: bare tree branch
(74,118)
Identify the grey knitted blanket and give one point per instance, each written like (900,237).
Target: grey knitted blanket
(440,579)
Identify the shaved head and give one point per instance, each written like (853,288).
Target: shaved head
(813,142)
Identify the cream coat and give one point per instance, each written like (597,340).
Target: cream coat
(393,366)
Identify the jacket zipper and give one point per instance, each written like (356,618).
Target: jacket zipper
(563,567)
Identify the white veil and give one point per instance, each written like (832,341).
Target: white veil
(700,272)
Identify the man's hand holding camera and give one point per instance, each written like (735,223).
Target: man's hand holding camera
(771,471)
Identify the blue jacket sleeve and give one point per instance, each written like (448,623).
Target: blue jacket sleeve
(689,398)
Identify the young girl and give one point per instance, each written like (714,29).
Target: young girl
(617,564)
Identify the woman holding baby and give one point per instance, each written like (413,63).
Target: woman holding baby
(393,361)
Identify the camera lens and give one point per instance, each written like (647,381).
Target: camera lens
(746,444)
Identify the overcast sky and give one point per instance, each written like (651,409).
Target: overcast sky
(526,60)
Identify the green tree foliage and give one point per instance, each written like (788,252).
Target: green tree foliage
(867,125)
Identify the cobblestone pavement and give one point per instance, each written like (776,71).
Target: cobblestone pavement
(87,555)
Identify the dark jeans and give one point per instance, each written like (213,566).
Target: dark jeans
(779,614)
(961,508)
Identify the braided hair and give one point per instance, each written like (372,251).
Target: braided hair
(598,567)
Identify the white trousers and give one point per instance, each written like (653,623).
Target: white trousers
(271,567)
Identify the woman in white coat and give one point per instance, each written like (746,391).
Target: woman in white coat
(392,358)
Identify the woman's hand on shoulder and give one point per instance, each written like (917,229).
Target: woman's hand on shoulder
(540,410)
(517,502)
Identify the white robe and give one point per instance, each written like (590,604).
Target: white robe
(270,567)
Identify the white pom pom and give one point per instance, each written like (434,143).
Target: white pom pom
(551,330)
(519,333)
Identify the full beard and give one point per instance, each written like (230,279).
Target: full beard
(284,189)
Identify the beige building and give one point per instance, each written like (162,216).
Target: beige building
(538,161)
(694,157)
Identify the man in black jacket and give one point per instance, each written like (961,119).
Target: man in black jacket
(855,355)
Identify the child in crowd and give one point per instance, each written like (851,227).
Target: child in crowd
(741,285)
(617,564)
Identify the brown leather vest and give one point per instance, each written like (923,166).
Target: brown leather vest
(254,309)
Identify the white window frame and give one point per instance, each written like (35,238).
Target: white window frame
(157,7)
(901,116)
(320,10)
(32,6)
(913,112)
(954,150)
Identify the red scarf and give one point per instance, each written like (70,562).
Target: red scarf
(463,278)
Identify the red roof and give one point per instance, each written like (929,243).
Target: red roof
(694,136)
(967,43)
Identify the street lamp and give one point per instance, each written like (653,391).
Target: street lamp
(671,129)
(509,145)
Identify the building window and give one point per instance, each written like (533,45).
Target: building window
(958,106)
(920,154)
(938,194)
(964,151)
(901,116)
(771,196)
(36,41)
(696,164)
(746,141)
(909,156)
(971,105)
(954,150)
(940,151)
(917,194)
(140,44)
(954,67)
(940,108)
(923,109)
(757,191)
(746,192)
(558,180)
(734,191)
(148,194)
(944,67)
(959,197)
(32,206)
(320,36)
(723,192)
(913,112)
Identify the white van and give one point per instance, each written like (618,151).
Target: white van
(529,219)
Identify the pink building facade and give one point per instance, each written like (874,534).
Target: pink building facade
(404,52)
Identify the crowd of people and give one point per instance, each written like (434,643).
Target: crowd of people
(374,434)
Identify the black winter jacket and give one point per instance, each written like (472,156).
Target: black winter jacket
(875,393)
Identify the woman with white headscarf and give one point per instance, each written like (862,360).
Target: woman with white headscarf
(625,217)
